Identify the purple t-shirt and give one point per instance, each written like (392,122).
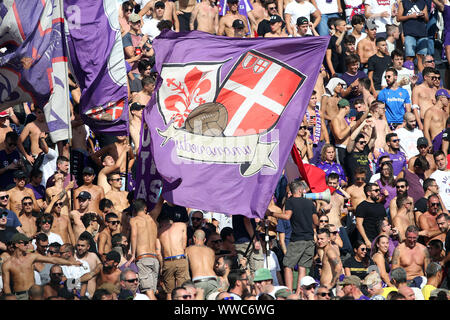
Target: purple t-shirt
(39,191)
(398,161)
(332,167)
(392,192)
(349,79)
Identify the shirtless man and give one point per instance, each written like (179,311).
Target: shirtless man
(206,14)
(61,223)
(173,238)
(135,128)
(84,199)
(423,147)
(402,187)
(143,97)
(226,22)
(110,165)
(80,152)
(17,193)
(259,12)
(107,271)
(118,198)
(59,190)
(95,191)
(4,128)
(201,263)
(91,258)
(144,246)
(329,101)
(404,216)
(367,46)
(26,217)
(427,220)
(169,12)
(33,130)
(331,262)
(115,150)
(184,11)
(356,190)
(17,271)
(411,255)
(112,222)
(435,119)
(423,95)
(378,111)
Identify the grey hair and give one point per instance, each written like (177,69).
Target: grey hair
(399,275)
(124,272)
(432,269)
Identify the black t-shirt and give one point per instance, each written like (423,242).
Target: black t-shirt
(421,205)
(239,232)
(7,179)
(378,65)
(446,137)
(372,213)
(357,268)
(356,159)
(301,219)
(335,57)
(263,27)
(414,27)
(175,213)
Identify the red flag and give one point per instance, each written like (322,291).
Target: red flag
(314,177)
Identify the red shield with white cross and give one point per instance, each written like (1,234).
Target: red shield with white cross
(256,92)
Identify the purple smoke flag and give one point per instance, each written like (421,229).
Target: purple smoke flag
(224,118)
(98,64)
(33,67)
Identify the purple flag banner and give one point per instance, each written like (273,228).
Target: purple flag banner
(98,64)
(33,67)
(225,116)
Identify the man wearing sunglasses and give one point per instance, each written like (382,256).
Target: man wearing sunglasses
(428,222)
(17,271)
(61,223)
(129,280)
(26,217)
(6,232)
(104,241)
(118,197)
(369,213)
(10,160)
(12,220)
(423,95)
(97,193)
(17,193)
(397,157)
(44,223)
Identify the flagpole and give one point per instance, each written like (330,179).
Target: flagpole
(66,76)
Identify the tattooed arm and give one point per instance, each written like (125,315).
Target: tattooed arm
(427,259)
(336,266)
(396,258)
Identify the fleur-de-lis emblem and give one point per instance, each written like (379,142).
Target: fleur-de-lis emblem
(187,94)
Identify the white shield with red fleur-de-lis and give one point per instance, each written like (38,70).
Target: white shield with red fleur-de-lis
(185,87)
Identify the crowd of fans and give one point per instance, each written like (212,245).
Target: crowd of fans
(377,124)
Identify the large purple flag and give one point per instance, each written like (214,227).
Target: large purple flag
(98,64)
(225,116)
(33,65)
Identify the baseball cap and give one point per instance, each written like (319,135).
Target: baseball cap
(19,174)
(17,237)
(371,280)
(275,18)
(302,20)
(370,24)
(134,17)
(343,103)
(422,141)
(88,170)
(262,274)
(4,114)
(238,24)
(307,281)
(350,280)
(160,4)
(84,195)
(442,93)
(435,292)
(282,293)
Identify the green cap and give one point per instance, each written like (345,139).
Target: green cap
(283,293)
(343,103)
(17,237)
(262,274)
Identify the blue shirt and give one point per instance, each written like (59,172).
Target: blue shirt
(332,167)
(395,101)
(284,226)
(12,220)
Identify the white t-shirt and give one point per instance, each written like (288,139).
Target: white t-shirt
(75,272)
(140,296)
(274,266)
(408,141)
(52,237)
(297,10)
(401,74)
(379,6)
(363,35)
(443,181)
(327,7)
(224,220)
(48,166)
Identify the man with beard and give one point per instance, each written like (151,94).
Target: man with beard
(331,262)
(222,268)
(397,100)
(442,176)
(368,214)
(74,272)
(427,221)
(90,223)
(82,253)
(107,271)
(408,135)
(402,187)
(173,238)
(56,282)
(423,146)
(239,284)
(411,255)
(404,216)
(443,222)
(415,177)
